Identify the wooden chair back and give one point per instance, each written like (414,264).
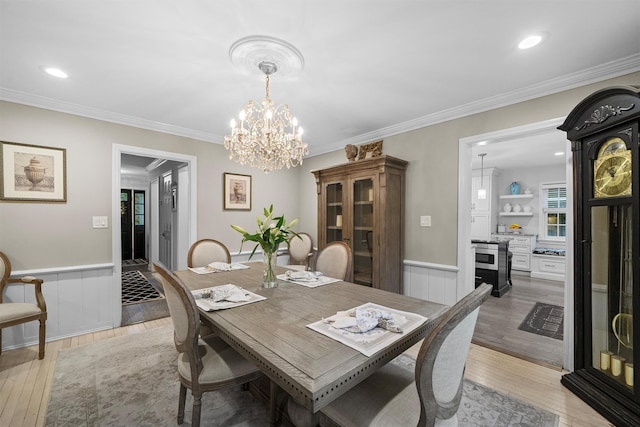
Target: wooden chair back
(335,260)
(206,251)
(12,314)
(442,358)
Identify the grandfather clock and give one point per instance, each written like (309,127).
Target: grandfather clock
(603,130)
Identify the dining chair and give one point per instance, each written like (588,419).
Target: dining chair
(428,395)
(334,260)
(206,251)
(15,313)
(204,363)
(300,251)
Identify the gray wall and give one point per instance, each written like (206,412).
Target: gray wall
(41,235)
(37,235)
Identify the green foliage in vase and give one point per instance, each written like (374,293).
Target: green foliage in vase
(272,230)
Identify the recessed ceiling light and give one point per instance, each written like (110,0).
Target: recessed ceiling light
(482,142)
(56,72)
(530,41)
(559,153)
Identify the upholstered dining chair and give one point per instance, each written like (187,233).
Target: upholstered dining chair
(334,260)
(204,364)
(15,313)
(300,251)
(427,396)
(206,251)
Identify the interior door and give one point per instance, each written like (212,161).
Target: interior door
(167,204)
(139,226)
(125,224)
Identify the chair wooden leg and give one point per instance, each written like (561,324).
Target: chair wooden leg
(0,341)
(197,407)
(181,400)
(43,338)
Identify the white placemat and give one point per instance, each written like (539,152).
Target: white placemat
(208,304)
(216,267)
(308,282)
(370,342)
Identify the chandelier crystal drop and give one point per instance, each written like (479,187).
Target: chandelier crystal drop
(265,136)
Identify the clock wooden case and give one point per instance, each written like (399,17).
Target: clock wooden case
(603,130)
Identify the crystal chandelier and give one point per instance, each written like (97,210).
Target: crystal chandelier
(266,137)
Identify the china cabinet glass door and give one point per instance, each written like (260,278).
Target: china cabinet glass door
(334,212)
(362,243)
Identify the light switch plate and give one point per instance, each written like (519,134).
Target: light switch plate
(100,222)
(425,221)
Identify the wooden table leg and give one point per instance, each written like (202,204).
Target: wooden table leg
(273,403)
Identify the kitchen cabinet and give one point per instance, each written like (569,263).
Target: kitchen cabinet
(483,218)
(362,203)
(521,246)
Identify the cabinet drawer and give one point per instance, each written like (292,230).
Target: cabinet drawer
(552,266)
(519,249)
(526,241)
(521,262)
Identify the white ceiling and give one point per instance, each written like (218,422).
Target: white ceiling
(371,68)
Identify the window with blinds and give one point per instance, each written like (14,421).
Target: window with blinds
(554,211)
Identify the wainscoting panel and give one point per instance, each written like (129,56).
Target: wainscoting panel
(433,282)
(79,300)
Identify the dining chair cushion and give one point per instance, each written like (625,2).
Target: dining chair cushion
(17,310)
(334,260)
(220,363)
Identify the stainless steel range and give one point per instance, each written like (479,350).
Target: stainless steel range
(492,265)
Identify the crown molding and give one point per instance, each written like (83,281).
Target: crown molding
(107,116)
(595,74)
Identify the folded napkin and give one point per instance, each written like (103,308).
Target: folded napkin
(231,293)
(220,266)
(361,320)
(303,276)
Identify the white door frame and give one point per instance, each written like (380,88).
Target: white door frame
(191,225)
(465,261)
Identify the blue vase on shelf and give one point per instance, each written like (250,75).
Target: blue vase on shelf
(515,188)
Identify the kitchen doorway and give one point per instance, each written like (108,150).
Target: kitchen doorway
(510,306)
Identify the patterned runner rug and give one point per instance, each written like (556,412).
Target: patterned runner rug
(136,288)
(545,319)
(132,380)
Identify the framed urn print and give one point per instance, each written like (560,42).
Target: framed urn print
(237,192)
(32,173)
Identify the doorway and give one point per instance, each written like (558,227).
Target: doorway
(185,224)
(466,255)
(133,222)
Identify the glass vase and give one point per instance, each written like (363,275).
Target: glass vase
(269,279)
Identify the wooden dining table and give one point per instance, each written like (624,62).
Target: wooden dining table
(311,367)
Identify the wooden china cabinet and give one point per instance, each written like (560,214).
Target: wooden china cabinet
(603,130)
(362,204)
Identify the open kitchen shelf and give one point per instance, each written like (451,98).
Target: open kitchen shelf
(516,214)
(516,196)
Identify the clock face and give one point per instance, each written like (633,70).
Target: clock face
(612,176)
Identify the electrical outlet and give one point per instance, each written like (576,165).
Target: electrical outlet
(425,221)
(100,222)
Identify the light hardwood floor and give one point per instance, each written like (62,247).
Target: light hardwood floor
(499,319)
(25,381)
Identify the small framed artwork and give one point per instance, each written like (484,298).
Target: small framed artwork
(237,192)
(32,173)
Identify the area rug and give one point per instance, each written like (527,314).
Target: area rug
(544,319)
(136,288)
(132,381)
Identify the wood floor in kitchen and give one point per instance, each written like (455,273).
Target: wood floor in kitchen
(499,319)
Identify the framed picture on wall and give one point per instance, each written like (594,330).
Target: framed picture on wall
(32,173)
(237,192)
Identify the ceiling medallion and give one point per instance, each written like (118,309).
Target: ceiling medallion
(266,136)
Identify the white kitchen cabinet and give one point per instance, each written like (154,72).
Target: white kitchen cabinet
(550,267)
(483,217)
(521,246)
